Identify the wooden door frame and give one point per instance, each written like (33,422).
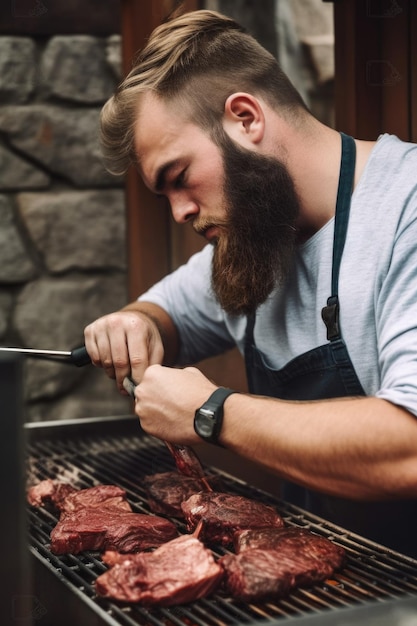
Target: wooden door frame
(375,68)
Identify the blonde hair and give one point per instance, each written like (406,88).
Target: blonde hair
(195,60)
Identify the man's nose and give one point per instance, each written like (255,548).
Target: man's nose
(183,210)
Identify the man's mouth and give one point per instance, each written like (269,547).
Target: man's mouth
(210,232)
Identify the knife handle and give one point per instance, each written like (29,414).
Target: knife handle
(80,356)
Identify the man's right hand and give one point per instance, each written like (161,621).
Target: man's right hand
(126,342)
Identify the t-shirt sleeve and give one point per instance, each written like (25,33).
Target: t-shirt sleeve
(397,316)
(186,295)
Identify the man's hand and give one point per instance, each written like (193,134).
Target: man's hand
(166,401)
(124,343)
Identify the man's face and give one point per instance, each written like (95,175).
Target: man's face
(179,161)
(242,202)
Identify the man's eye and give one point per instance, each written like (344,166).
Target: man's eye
(179,181)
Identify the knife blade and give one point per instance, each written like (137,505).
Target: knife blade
(79,356)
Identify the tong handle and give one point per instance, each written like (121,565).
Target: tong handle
(79,356)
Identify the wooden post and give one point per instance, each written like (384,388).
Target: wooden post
(375,58)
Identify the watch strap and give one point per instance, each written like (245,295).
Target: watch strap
(208,419)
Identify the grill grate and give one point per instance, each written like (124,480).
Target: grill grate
(373,573)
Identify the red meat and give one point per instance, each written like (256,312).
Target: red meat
(109,529)
(273,562)
(167,490)
(178,572)
(102,497)
(223,514)
(292,540)
(49,491)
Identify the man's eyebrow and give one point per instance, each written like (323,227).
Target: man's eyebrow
(161,175)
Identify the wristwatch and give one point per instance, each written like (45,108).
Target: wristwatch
(208,418)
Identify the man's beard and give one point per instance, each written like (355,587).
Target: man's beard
(254,252)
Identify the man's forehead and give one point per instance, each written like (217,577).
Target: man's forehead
(155,121)
(148,100)
(152,124)
(163,138)
(151,106)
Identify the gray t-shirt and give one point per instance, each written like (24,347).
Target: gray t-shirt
(377,288)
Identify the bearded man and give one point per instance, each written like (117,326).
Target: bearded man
(310,269)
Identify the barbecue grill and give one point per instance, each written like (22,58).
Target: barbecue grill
(377,583)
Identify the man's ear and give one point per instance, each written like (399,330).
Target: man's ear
(244,119)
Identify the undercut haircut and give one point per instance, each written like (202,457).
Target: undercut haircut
(194,62)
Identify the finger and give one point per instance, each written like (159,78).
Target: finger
(156,352)
(140,353)
(105,355)
(100,353)
(139,361)
(119,362)
(91,345)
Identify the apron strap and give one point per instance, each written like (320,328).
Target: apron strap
(330,313)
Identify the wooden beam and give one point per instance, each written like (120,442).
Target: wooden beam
(373,80)
(413,71)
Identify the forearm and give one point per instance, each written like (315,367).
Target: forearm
(362,448)
(165,325)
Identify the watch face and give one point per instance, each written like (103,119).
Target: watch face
(204,423)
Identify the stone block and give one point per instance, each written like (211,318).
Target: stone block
(114,56)
(65,141)
(16,173)
(77,229)
(6,301)
(75,68)
(16,265)
(17,69)
(94,395)
(52,313)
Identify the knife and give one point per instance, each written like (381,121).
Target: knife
(78,356)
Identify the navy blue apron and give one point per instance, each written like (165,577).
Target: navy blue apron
(327,372)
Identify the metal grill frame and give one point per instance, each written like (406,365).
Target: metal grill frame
(83,452)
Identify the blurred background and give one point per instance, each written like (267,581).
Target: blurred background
(75,242)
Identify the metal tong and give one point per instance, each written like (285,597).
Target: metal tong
(186,460)
(78,356)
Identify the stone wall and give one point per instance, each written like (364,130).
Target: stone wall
(62,226)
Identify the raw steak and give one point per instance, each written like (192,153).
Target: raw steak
(178,572)
(49,491)
(111,557)
(223,514)
(66,498)
(109,528)
(288,541)
(167,490)
(257,574)
(272,562)
(102,497)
